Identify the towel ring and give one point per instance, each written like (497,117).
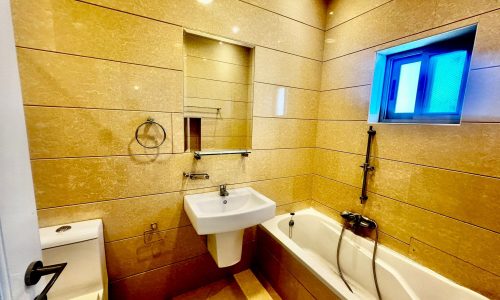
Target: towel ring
(150,121)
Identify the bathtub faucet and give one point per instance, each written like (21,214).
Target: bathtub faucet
(357,220)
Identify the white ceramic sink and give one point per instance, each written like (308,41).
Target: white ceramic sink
(244,208)
(224,219)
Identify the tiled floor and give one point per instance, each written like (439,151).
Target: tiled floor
(225,289)
(229,289)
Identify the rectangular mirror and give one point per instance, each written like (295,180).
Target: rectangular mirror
(218,76)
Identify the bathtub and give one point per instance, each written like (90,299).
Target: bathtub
(314,243)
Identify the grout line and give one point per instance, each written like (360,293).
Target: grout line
(98,58)
(413,163)
(228,100)
(347,87)
(177,25)
(487,67)
(287,86)
(99,108)
(152,154)
(284,118)
(141,235)
(216,60)
(169,265)
(411,204)
(283,267)
(171,192)
(211,79)
(441,250)
(343,22)
(332,208)
(410,35)
(271,11)
(127,13)
(291,87)
(290,53)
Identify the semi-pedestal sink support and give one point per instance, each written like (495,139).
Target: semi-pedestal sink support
(224,219)
(226,247)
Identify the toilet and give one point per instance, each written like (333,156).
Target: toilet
(81,245)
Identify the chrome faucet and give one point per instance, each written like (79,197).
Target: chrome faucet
(223,190)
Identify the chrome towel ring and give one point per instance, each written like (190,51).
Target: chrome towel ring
(150,121)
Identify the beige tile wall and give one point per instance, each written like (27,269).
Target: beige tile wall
(435,188)
(92,71)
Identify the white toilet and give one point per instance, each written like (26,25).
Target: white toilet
(81,245)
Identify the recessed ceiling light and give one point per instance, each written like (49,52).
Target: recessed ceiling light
(220,43)
(329,41)
(235,29)
(205,1)
(330,13)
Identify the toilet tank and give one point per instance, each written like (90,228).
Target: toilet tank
(81,245)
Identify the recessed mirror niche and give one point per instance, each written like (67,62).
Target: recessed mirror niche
(218,80)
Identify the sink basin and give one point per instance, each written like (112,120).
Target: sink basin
(224,218)
(244,208)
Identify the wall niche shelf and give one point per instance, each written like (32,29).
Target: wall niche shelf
(199,154)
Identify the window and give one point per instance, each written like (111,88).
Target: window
(423,81)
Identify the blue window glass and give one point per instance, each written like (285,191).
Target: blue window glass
(407,87)
(446,73)
(426,83)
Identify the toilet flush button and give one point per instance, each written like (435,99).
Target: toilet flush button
(63,228)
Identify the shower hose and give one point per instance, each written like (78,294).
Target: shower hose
(374,270)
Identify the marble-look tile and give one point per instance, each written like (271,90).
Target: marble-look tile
(210,89)
(223,142)
(403,222)
(68,26)
(224,289)
(82,180)
(451,147)
(341,11)
(131,256)
(447,11)
(203,47)
(284,102)
(251,286)
(271,133)
(68,132)
(306,11)
(177,133)
(285,69)
(460,271)
(211,69)
(211,127)
(292,265)
(281,279)
(220,17)
(285,190)
(165,209)
(388,22)
(207,108)
(157,283)
(345,104)
(348,71)
(55,79)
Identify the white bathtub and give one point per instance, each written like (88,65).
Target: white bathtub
(314,242)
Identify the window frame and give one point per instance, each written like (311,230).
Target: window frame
(423,50)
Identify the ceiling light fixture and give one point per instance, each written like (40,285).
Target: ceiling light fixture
(235,29)
(205,2)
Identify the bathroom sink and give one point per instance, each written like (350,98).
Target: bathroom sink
(211,213)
